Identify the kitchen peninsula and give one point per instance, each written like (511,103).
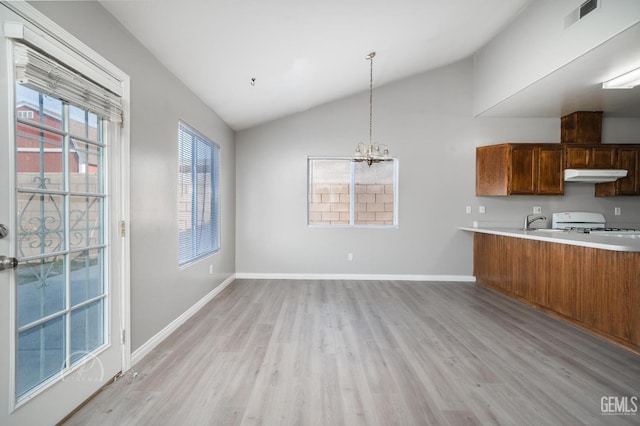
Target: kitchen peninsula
(591,281)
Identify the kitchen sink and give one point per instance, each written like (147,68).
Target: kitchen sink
(548,230)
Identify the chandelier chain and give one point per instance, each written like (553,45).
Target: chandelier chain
(371,152)
(371,98)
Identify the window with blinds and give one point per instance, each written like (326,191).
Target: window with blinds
(198,201)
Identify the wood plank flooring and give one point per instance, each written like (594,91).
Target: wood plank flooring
(286,352)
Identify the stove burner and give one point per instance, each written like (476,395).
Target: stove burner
(612,230)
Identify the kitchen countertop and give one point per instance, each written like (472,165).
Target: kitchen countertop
(605,242)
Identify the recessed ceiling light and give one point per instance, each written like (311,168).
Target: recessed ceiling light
(625,81)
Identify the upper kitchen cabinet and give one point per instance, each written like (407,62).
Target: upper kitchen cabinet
(581,127)
(581,134)
(628,158)
(519,169)
(539,169)
(590,157)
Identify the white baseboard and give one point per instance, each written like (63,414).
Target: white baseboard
(368,277)
(150,344)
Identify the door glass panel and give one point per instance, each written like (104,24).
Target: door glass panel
(87,329)
(60,240)
(40,154)
(41,288)
(83,123)
(85,222)
(41,354)
(86,275)
(85,167)
(40,223)
(38,108)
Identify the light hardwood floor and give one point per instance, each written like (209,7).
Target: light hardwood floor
(277,352)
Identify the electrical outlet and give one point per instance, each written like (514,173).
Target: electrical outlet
(482,209)
(617,211)
(468,209)
(349,257)
(537,209)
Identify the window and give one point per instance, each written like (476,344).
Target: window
(198,205)
(27,115)
(346,193)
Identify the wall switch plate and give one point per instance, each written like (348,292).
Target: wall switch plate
(468,209)
(617,211)
(537,209)
(349,257)
(482,209)
(210,269)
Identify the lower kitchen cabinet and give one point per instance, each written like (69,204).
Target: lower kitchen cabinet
(596,289)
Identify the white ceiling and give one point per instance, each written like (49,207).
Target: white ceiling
(303,53)
(577,86)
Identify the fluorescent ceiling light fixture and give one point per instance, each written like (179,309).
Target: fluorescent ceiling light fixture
(624,81)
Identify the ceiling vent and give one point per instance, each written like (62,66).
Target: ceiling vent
(585,8)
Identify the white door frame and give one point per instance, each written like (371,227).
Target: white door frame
(42,32)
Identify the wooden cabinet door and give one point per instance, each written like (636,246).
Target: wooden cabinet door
(603,157)
(523,170)
(520,169)
(592,157)
(492,165)
(628,160)
(550,171)
(577,157)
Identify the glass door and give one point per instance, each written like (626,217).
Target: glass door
(60,231)
(63,302)
(63,195)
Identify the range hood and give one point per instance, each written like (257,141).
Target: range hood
(593,175)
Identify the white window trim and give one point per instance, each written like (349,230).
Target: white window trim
(43,33)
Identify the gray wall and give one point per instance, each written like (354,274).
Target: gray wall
(159,291)
(428,123)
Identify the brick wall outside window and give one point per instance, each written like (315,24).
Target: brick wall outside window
(330,193)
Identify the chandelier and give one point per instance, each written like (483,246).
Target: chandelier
(371,152)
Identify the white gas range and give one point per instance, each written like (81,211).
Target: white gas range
(589,223)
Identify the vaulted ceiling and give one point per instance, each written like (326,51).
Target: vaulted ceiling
(303,53)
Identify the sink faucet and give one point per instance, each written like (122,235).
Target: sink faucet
(529,220)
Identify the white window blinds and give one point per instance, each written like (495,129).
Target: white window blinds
(198,202)
(41,73)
